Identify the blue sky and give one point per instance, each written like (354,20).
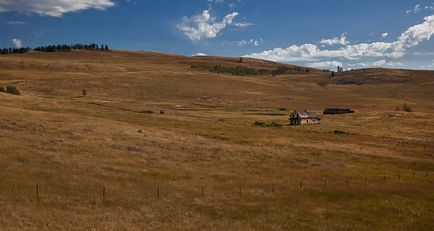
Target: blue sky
(318,33)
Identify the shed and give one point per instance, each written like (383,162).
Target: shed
(303,118)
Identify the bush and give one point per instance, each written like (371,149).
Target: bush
(322,84)
(406,108)
(259,123)
(12,90)
(339,132)
(272,124)
(239,70)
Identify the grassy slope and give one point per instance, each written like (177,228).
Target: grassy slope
(73,146)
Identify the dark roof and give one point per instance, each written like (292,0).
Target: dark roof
(307,115)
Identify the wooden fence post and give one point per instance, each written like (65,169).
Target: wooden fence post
(37,191)
(325,184)
(346,182)
(272,188)
(240,192)
(158,192)
(301,185)
(103,193)
(399,176)
(203,192)
(384,178)
(366,181)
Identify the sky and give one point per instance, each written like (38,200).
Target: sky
(316,33)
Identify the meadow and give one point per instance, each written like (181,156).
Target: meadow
(157,144)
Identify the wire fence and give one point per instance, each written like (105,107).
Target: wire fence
(159,191)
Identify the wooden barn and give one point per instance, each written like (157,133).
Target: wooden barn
(303,118)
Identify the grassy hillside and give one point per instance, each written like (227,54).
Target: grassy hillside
(103,161)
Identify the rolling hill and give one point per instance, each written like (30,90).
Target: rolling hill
(163,141)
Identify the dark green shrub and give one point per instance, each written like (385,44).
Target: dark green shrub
(274,125)
(406,108)
(12,90)
(259,123)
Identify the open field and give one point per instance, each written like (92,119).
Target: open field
(102,162)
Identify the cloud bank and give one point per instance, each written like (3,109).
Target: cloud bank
(412,37)
(53,8)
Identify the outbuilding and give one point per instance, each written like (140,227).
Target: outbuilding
(303,118)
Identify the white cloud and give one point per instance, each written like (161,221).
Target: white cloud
(251,42)
(16,23)
(242,24)
(17,43)
(335,41)
(383,62)
(379,63)
(384,35)
(53,8)
(216,1)
(416,9)
(200,54)
(326,64)
(416,34)
(204,26)
(310,52)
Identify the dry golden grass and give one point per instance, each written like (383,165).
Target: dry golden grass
(74,146)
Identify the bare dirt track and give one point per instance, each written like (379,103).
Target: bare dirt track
(103,161)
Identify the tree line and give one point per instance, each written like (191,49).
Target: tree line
(245,71)
(55,48)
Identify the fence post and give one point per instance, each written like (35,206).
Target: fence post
(301,185)
(325,184)
(240,192)
(103,193)
(384,178)
(346,182)
(366,181)
(399,176)
(203,192)
(272,189)
(37,191)
(158,192)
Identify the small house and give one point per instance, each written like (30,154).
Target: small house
(303,118)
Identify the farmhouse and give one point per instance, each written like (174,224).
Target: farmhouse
(302,118)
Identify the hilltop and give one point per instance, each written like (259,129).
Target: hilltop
(162,141)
